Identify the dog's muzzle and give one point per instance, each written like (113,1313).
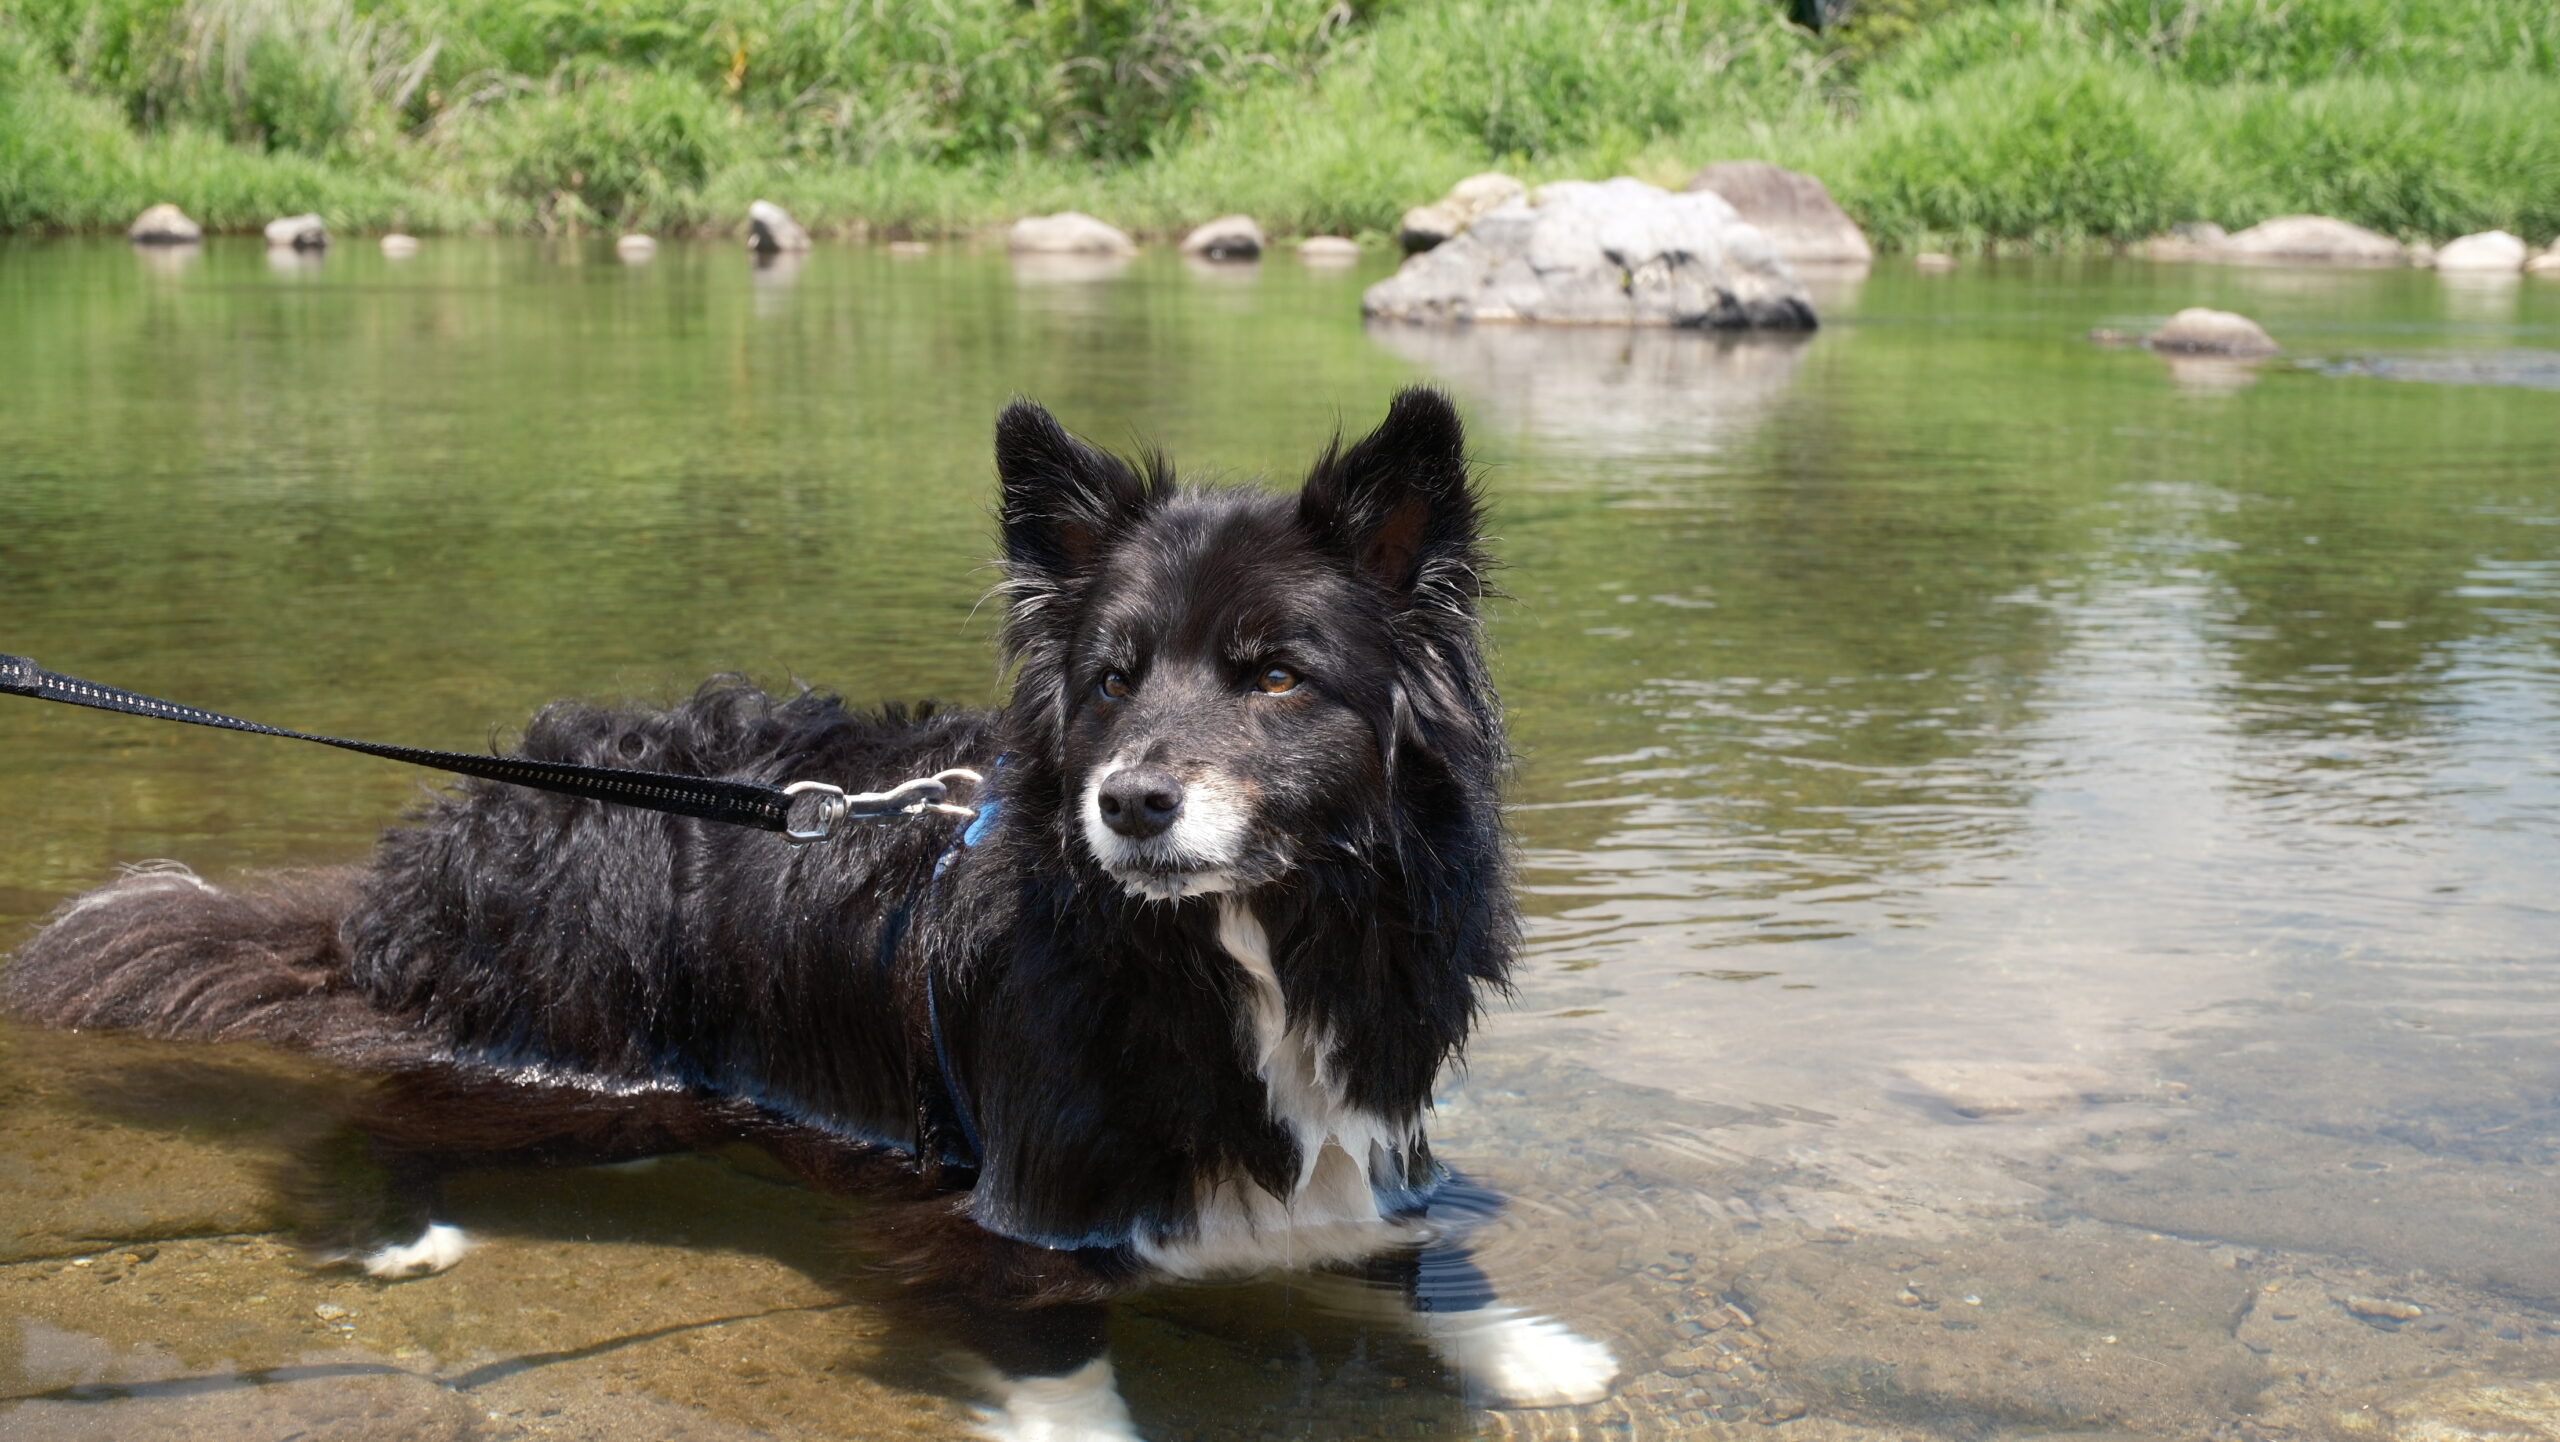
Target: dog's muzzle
(1163,837)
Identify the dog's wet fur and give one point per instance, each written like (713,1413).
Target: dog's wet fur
(1173,1007)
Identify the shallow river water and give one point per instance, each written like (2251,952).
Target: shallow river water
(2041,861)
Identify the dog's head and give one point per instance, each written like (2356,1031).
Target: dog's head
(1221,679)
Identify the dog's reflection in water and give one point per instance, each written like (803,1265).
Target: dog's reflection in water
(1169,1006)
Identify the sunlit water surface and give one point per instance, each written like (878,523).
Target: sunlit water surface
(2040,860)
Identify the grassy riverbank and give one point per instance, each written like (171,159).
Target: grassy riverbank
(2048,123)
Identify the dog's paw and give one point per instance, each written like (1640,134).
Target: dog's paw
(1510,1360)
(1082,1406)
(436,1249)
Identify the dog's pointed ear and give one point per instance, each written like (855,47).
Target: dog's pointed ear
(1400,499)
(1063,500)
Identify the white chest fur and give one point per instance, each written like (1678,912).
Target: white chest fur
(1331,1212)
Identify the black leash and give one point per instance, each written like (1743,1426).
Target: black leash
(707,798)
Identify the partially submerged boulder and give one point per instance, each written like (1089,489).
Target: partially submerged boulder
(2310,240)
(1425,226)
(1069,232)
(1619,252)
(2490,250)
(164,224)
(772,231)
(297,232)
(396,246)
(1229,237)
(2187,240)
(2547,263)
(1791,208)
(2198,330)
(635,247)
(1329,250)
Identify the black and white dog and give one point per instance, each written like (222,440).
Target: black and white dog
(1170,1006)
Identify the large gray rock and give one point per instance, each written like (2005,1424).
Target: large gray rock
(1229,237)
(772,231)
(2310,240)
(164,224)
(2200,331)
(1069,232)
(1791,208)
(2494,251)
(1425,226)
(297,232)
(1619,252)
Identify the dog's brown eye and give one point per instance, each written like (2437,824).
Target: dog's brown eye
(1278,679)
(1115,686)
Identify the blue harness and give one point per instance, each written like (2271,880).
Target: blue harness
(952,1101)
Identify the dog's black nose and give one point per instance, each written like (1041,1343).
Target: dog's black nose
(1140,801)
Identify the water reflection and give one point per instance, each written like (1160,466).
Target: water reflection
(2481,295)
(1036,269)
(169,260)
(776,274)
(1223,272)
(2211,375)
(1833,287)
(1613,390)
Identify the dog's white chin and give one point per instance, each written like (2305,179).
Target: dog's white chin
(1175,885)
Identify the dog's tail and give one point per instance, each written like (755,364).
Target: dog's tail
(163,953)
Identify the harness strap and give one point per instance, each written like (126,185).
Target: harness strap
(705,798)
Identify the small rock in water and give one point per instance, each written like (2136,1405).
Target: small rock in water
(1793,209)
(164,224)
(330,1312)
(297,232)
(635,247)
(772,231)
(1426,226)
(1933,261)
(2383,1309)
(1328,250)
(2493,251)
(1781,1409)
(2187,240)
(399,247)
(2108,335)
(1069,232)
(909,248)
(1229,237)
(2198,330)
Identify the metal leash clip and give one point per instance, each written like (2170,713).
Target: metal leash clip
(907,798)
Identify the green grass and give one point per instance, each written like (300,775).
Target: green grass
(1970,123)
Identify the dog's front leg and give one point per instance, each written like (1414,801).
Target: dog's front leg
(1507,1357)
(1048,1372)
